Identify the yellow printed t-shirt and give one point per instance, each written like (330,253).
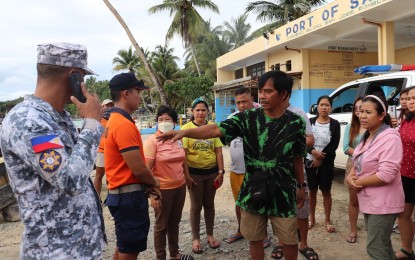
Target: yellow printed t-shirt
(168,161)
(121,135)
(200,152)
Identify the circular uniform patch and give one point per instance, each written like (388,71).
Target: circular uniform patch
(50,161)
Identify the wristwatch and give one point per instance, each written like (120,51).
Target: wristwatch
(221,171)
(302,185)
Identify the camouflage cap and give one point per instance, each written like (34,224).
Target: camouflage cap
(64,55)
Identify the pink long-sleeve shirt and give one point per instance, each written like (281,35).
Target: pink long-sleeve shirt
(382,157)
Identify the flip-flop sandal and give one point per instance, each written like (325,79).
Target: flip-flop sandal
(330,228)
(196,249)
(407,254)
(266,242)
(233,238)
(183,257)
(309,253)
(186,257)
(213,244)
(277,252)
(351,239)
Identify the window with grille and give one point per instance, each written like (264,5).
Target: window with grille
(256,70)
(221,98)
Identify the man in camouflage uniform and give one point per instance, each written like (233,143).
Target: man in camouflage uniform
(49,164)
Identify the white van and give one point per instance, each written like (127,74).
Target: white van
(344,96)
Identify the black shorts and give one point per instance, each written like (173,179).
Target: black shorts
(132,223)
(409,189)
(320,177)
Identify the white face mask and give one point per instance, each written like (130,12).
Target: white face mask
(165,126)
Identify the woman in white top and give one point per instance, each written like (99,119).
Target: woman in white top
(320,161)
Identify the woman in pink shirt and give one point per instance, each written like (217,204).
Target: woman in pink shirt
(167,161)
(375,175)
(407,131)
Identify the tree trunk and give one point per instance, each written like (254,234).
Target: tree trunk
(145,104)
(194,57)
(140,53)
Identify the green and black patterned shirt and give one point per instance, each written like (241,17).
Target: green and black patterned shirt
(263,140)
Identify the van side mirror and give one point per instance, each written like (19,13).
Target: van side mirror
(313,109)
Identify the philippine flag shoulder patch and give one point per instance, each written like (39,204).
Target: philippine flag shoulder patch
(46,142)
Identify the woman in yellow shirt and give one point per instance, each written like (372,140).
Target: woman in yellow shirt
(206,169)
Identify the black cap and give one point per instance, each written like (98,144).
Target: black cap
(126,81)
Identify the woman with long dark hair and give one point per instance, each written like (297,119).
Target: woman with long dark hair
(405,223)
(320,160)
(375,176)
(352,136)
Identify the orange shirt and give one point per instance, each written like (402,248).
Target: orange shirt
(102,141)
(121,135)
(168,161)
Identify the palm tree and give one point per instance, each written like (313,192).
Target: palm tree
(187,22)
(126,60)
(164,63)
(266,28)
(237,32)
(281,10)
(140,53)
(208,49)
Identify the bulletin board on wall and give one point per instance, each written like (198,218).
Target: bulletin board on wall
(331,69)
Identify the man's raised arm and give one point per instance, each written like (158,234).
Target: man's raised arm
(203,132)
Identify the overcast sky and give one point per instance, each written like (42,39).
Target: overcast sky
(24,24)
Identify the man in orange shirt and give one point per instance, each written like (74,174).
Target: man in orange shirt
(129,179)
(99,162)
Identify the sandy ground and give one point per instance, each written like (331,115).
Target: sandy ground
(328,246)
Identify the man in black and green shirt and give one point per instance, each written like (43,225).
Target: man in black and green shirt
(265,141)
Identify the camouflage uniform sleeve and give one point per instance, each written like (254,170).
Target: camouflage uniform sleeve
(62,161)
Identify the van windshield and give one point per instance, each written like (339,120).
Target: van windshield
(343,101)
